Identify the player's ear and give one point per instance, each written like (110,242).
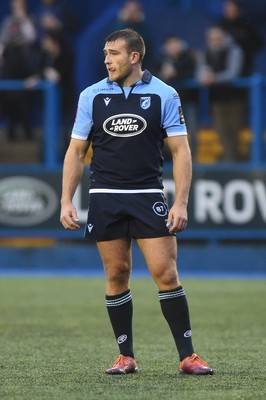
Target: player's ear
(135,57)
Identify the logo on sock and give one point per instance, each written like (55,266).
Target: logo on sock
(121,339)
(187,333)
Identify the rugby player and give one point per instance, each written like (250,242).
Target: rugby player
(126,118)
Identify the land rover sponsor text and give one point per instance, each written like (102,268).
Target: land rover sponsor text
(124,125)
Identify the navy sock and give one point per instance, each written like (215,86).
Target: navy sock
(175,310)
(120,310)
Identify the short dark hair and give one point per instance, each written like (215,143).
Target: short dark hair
(132,38)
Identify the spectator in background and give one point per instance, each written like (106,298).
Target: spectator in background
(132,15)
(242,31)
(18,49)
(57,15)
(176,63)
(56,65)
(222,62)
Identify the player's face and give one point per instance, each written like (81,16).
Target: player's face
(119,62)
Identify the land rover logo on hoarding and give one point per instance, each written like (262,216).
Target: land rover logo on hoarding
(26,201)
(124,125)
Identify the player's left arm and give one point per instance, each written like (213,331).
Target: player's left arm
(182,173)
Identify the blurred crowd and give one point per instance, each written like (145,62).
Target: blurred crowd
(230,47)
(33,48)
(41,46)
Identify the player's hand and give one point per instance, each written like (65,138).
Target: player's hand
(177,219)
(69,217)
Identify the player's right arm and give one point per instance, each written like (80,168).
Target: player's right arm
(72,173)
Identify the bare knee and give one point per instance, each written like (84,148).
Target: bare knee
(117,276)
(166,278)
(116,258)
(160,255)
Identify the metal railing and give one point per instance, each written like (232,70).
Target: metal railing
(51,117)
(256,85)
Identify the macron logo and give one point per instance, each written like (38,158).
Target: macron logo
(107,100)
(90,226)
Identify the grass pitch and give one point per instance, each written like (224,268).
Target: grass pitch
(56,342)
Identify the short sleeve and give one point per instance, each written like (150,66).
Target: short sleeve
(83,121)
(173,118)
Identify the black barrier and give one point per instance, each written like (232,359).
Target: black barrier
(223,205)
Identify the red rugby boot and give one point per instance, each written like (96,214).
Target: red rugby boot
(123,365)
(195,365)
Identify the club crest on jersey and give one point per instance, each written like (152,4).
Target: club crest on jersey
(145,102)
(124,125)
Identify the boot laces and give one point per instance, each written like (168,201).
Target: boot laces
(196,358)
(120,359)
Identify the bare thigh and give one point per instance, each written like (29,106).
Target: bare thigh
(117,261)
(161,256)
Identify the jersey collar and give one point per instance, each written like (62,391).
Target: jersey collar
(146,77)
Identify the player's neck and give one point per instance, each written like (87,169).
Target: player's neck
(132,79)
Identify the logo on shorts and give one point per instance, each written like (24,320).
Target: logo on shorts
(121,339)
(90,227)
(160,208)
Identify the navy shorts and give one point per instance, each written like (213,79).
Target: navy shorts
(136,215)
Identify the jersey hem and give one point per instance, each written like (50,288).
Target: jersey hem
(78,136)
(171,134)
(126,191)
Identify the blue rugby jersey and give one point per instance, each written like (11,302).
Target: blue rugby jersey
(127,127)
